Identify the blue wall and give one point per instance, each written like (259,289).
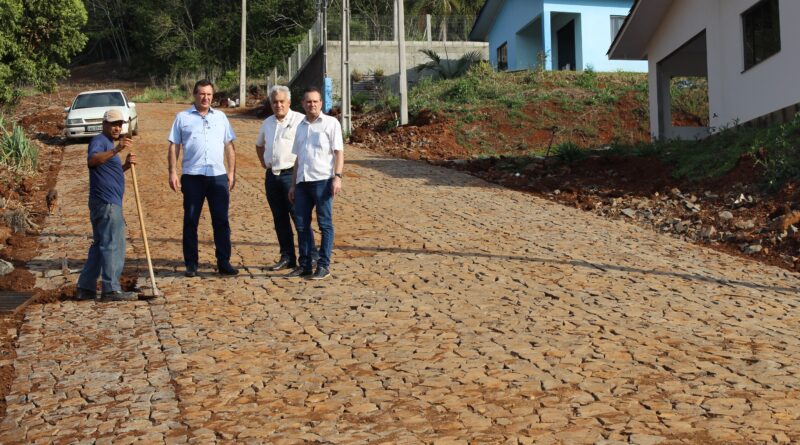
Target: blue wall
(513,17)
(530,26)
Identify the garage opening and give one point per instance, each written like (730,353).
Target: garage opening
(683,107)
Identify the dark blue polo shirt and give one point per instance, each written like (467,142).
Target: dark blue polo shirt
(107,180)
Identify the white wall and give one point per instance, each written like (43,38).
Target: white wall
(734,95)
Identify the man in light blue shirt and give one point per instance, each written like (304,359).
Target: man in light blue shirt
(206,137)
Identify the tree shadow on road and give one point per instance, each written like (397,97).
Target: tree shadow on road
(405,169)
(172,267)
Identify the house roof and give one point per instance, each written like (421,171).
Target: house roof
(639,27)
(483,23)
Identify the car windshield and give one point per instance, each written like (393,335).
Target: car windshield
(93,100)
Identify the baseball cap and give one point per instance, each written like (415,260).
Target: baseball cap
(113,116)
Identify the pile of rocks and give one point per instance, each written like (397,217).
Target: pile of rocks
(735,219)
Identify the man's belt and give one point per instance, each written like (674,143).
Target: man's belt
(285,171)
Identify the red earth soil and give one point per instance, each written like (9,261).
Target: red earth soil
(43,119)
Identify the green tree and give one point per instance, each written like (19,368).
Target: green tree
(108,29)
(38,38)
(170,37)
(274,29)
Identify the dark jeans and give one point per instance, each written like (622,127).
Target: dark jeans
(309,195)
(277,189)
(107,253)
(196,189)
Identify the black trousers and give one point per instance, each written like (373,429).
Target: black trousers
(197,189)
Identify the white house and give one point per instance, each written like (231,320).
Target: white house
(565,34)
(749,50)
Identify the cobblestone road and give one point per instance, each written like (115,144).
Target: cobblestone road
(458,312)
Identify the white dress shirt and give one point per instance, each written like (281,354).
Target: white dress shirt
(277,138)
(314,145)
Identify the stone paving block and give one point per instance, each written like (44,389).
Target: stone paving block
(459,312)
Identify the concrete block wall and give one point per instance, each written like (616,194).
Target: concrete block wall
(367,56)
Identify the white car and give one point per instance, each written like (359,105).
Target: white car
(85,116)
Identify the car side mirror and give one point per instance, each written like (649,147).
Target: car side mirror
(131,104)
(66,109)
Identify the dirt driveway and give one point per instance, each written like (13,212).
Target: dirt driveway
(458,312)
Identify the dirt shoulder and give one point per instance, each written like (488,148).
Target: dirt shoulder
(42,117)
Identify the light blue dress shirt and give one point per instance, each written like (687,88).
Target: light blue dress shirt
(203,139)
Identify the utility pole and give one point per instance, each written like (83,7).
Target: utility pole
(346,118)
(324,38)
(401,50)
(243,59)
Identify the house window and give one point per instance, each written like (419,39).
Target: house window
(762,32)
(502,57)
(616,25)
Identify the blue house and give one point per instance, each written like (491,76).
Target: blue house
(564,34)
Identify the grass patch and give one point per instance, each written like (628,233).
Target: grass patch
(776,149)
(175,94)
(579,103)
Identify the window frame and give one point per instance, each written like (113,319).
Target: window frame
(753,45)
(504,48)
(621,19)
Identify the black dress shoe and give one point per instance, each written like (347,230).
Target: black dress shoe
(299,272)
(85,294)
(190,272)
(227,269)
(119,296)
(284,263)
(321,273)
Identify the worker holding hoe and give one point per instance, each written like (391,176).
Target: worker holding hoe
(106,257)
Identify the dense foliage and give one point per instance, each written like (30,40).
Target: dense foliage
(169,37)
(37,39)
(161,38)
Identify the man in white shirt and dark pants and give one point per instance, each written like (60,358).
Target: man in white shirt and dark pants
(316,180)
(274,148)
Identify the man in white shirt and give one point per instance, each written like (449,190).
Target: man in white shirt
(316,180)
(206,137)
(274,148)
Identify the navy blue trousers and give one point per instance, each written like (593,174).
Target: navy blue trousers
(197,189)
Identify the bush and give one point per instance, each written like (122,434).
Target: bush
(379,74)
(778,151)
(569,152)
(16,151)
(482,70)
(360,101)
(587,79)
(229,81)
(463,90)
